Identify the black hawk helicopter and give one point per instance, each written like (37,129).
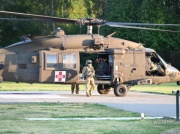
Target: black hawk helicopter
(56,58)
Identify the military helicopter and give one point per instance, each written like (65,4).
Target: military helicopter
(56,58)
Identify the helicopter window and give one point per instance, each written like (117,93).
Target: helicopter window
(110,58)
(69,61)
(51,61)
(162,60)
(155,65)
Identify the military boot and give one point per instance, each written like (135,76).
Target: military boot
(72,90)
(87,94)
(77,89)
(90,93)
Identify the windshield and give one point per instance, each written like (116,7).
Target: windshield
(162,60)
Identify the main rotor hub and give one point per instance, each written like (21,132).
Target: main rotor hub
(90,21)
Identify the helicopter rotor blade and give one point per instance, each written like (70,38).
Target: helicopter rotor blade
(19,19)
(141,28)
(139,24)
(49,18)
(86,21)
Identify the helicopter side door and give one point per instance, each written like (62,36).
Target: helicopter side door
(139,64)
(127,65)
(132,65)
(20,67)
(10,66)
(58,67)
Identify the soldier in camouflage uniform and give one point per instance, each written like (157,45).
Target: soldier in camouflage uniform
(73,86)
(88,73)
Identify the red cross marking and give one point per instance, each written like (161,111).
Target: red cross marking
(60,76)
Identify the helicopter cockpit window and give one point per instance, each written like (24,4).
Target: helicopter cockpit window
(162,60)
(52,61)
(69,61)
(155,65)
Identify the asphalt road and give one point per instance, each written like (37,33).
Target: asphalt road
(151,104)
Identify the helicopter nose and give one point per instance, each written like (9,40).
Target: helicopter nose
(173,73)
(177,78)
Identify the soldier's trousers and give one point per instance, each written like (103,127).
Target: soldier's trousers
(90,85)
(73,85)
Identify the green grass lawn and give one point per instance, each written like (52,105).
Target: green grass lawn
(12,86)
(12,120)
(12,116)
(162,89)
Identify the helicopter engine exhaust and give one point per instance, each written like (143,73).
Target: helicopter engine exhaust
(89,30)
(93,41)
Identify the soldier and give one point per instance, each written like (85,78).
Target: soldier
(88,73)
(156,67)
(73,85)
(103,67)
(59,32)
(1,66)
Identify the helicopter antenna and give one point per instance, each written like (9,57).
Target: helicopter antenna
(54,27)
(80,30)
(98,28)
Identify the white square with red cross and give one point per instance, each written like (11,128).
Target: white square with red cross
(60,76)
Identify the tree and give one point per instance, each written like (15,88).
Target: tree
(145,11)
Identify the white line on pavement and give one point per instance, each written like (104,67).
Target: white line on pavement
(110,118)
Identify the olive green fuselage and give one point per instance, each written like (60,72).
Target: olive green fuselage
(39,59)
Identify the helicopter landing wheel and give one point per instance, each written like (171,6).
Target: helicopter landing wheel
(120,90)
(104,90)
(178,83)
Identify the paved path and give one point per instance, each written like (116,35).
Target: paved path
(150,104)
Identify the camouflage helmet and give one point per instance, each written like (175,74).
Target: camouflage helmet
(88,62)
